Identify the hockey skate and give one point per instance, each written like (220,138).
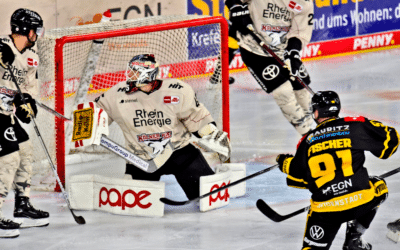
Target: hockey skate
(27,215)
(8,228)
(353,240)
(394,230)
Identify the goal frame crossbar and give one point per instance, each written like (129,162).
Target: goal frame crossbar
(59,71)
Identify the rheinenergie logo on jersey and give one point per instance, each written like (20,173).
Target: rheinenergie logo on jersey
(150,118)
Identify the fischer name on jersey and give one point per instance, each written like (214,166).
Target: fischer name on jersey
(170,113)
(288,18)
(24,68)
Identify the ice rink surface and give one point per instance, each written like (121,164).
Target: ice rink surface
(368,85)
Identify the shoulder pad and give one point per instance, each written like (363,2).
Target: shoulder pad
(354,119)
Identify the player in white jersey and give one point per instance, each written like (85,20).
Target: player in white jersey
(18,55)
(153,112)
(286,26)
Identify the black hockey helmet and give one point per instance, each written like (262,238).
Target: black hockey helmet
(141,70)
(24,20)
(327,103)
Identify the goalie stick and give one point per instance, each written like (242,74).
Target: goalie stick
(147,166)
(180,203)
(269,51)
(79,219)
(274,216)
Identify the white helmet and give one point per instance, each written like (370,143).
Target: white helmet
(142,70)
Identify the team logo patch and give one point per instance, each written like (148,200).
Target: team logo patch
(295,6)
(33,63)
(270,72)
(171,99)
(317,232)
(9,134)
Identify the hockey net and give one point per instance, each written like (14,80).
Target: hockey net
(77,64)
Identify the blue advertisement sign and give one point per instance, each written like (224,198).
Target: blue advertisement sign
(338,19)
(378,16)
(206,36)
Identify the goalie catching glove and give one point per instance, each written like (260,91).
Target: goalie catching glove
(216,141)
(24,112)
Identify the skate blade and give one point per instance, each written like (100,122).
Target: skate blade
(9,233)
(27,222)
(394,236)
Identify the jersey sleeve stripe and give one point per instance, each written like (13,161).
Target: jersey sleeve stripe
(386,142)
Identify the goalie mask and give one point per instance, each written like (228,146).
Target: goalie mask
(142,70)
(327,103)
(24,20)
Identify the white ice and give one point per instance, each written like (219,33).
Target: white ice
(368,85)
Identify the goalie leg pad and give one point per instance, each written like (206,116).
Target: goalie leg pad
(116,195)
(210,183)
(238,171)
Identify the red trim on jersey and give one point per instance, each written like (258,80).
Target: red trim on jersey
(302,138)
(354,119)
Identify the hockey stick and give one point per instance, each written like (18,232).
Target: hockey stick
(149,166)
(274,216)
(48,109)
(180,203)
(79,219)
(279,60)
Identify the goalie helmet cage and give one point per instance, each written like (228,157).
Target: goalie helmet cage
(77,64)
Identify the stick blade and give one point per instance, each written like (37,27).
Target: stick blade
(173,203)
(80,220)
(268,211)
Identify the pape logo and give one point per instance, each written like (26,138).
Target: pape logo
(121,199)
(219,197)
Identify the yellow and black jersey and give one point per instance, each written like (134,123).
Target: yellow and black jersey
(330,161)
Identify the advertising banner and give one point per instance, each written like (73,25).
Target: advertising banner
(340,19)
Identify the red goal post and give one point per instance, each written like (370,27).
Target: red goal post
(70,65)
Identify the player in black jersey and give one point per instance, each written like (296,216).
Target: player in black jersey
(330,163)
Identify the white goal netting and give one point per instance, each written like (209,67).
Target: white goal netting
(79,63)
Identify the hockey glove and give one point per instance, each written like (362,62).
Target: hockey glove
(292,56)
(239,15)
(283,163)
(6,55)
(24,112)
(215,141)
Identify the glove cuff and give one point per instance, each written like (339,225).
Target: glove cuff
(294,44)
(286,165)
(231,3)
